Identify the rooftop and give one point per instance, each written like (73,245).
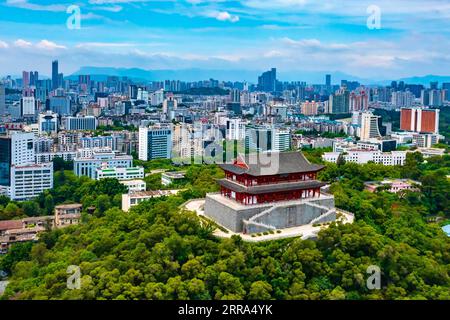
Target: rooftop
(145,194)
(271,163)
(10,224)
(68,206)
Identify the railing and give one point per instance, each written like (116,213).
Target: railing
(259,224)
(324,215)
(345,212)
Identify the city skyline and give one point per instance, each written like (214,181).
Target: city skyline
(293,35)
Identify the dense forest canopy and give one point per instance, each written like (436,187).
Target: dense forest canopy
(159,251)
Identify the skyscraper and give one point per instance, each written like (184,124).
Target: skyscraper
(328,80)
(2,100)
(434,85)
(25,79)
(268,81)
(55,74)
(34,78)
(339,102)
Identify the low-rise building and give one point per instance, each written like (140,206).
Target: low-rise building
(431,152)
(394,158)
(28,229)
(426,140)
(135,185)
(67,214)
(393,185)
(120,173)
(86,163)
(134,198)
(167,178)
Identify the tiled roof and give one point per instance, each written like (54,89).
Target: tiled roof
(273,163)
(10,224)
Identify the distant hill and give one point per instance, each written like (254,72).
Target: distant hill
(425,80)
(251,76)
(99,73)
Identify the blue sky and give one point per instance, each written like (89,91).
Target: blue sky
(292,35)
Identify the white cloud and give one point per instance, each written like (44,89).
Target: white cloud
(109,8)
(24,4)
(20,43)
(3,45)
(49,45)
(315,44)
(224,16)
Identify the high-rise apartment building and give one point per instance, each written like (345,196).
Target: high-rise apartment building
(155,143)
(170,104)
(61,105)
(262,139)
(2,100)
(340,101)
(328,80)
(435,98)
(402,99)
(235,96)
(309,108)
(25,79)
(55,75)
(28,106)
(20,177)
(419,120)
(34,78)
(268,81)
(235,129)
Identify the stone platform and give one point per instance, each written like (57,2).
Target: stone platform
(250,219)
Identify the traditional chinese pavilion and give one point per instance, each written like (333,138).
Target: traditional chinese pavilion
(269,191)
(267,178)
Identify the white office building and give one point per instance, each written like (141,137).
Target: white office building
(48,123)
(87,163)
(235,129)
(426,140)
(394,158)
(20,177)
(267,139)
(120,174)
(369,126)
(136,185)
(27,182)
(28,106)
(80,123)
(155,143)
(44,157)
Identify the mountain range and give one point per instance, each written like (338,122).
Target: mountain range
(251,76)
